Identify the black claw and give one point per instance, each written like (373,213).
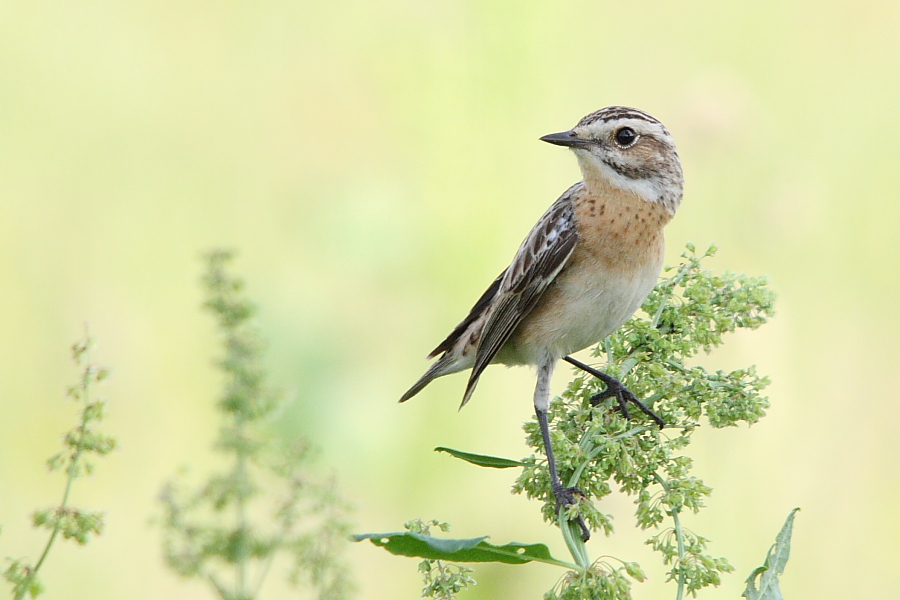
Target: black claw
(600,396)
(566,497)
(585,532)
(615,389)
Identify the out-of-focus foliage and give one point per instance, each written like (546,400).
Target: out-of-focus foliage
(229,530)
(79,443)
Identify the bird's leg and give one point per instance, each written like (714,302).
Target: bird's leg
(615,389)
(564,496)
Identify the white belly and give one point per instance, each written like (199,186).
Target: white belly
(582,307)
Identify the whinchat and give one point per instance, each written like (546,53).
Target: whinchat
(582,271)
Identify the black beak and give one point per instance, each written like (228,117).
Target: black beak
(566,138)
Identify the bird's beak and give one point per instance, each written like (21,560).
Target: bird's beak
(566,138)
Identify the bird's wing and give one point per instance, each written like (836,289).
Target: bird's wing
(539,260)
(483,303)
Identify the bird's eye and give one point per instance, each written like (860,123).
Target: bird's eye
(625,137)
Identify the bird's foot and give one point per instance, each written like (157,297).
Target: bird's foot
(567,497)
(615,389)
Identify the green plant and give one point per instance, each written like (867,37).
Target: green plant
(229,530)
(79,444)
(762,584)
(596,447)
(442,580)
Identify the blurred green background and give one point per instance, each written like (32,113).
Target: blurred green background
(376,164)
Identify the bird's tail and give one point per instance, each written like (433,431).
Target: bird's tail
(443,366)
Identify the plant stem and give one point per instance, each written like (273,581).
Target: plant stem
(218,586)
(573,541)
(592,451)
(440,566)
(264,571)
(240,476)
(70,479)
(679,538)
(682,273)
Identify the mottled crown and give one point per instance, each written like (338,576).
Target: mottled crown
(613,113)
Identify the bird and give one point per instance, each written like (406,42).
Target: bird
(584,269)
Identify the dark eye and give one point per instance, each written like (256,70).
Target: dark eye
(625,137)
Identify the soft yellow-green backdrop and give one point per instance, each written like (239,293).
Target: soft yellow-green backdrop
(376,164)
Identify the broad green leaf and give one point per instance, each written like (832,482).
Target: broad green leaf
(773,568)
(481,460)
(404,543)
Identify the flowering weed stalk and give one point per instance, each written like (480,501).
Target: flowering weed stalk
(79,443)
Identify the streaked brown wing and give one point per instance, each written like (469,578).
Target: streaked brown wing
(483,303)
(540,258)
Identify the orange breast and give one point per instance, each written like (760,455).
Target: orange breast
(618,230)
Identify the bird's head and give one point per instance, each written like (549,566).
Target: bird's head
(628,149)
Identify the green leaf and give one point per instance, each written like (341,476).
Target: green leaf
(773,568)
(404,543)
(482,460)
